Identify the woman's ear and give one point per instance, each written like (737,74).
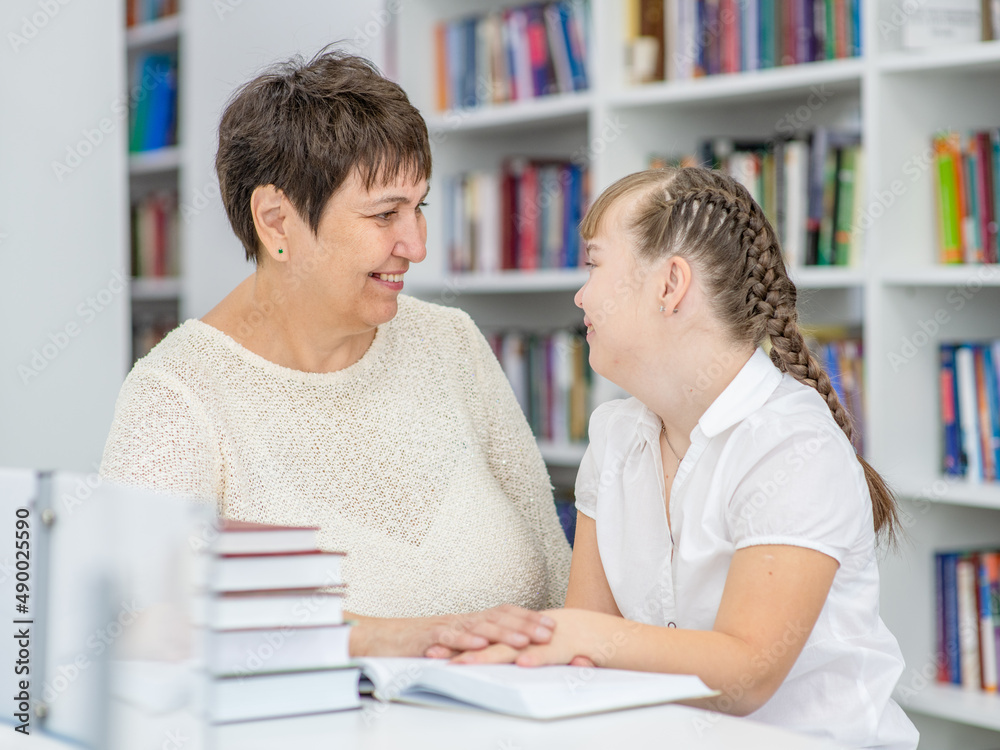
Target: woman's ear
(675,280)
(269,209)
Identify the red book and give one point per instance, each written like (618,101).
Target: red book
(528,211)
(986,188)
(508,228)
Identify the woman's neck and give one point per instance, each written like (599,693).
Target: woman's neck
(276,325)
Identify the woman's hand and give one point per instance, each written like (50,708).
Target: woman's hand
(447,635)
(578,638)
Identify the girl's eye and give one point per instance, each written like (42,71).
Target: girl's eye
(421,206)
(385,216)
(590,265)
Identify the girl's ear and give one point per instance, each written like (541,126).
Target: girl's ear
(675,280)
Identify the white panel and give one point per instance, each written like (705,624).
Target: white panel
(63,309)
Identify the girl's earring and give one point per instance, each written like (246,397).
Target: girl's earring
(281,251)
(677,309)
(662,308)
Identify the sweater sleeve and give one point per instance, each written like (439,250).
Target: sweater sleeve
(161,439)
(516,463)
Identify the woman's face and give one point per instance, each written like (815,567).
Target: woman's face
(617,300)
(365,244)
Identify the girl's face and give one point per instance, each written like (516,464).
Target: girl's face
(619,301)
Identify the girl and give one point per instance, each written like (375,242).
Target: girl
(726,526)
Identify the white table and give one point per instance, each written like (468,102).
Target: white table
(393,726)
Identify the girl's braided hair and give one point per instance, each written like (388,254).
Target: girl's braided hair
(712,221)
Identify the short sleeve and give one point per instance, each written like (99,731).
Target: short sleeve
(161,439)
(803,486)
(586,484)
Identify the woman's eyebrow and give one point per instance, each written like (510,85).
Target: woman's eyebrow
(396,199)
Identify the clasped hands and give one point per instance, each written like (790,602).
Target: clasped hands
(510,634)
(505,634)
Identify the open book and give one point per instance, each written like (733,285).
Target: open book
(535,693)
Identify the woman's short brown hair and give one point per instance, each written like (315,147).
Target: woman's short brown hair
(303,126)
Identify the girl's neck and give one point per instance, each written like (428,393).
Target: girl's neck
(680,389)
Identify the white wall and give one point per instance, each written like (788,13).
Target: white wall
(63,315)
(62,73)
(226,44)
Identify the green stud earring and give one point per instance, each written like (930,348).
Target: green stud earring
(280,251)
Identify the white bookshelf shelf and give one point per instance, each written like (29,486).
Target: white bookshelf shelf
(546,110)
(951,491)
(758,84)
(942,275)
(955,704)
(957,58)
(158,161)
(155,289)
(510,282)
(562,454)
(819,277)
(153,33)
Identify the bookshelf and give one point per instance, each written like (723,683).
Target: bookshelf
(155,293)
(897,99)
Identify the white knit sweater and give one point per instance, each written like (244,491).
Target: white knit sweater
(416,460)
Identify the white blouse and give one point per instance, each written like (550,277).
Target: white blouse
(767,465)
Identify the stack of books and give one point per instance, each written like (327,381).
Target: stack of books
(153,96)
(968,618)
(154,235)
(524,217)
(551,379)
(683,39)
(967,196)
(513,54)
(970,410)
(275,641)
(810,187)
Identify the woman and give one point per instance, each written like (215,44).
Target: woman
(726,526)
(314,394)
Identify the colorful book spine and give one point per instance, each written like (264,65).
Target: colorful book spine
(967,203)
(551,378)
(524,217)
(520,53)
(970,409)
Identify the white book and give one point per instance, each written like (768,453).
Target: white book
(242,538)
(796,202)
(285,694)
(301,570)
(488,222)
(248,652)
(968,623)
(534,693)
(242,610)
(968,413)
(935,23)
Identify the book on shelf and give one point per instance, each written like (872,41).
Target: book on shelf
(938,23)
(153,123)
(967,196)
(524,217)
(552,380)
(696,38)
(840,351)
(969,381)
(967,596)
(154,240)
(811,188)
(144,11)
(512,54)
(551,692)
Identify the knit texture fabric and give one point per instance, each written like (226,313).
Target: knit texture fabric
(416,460)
